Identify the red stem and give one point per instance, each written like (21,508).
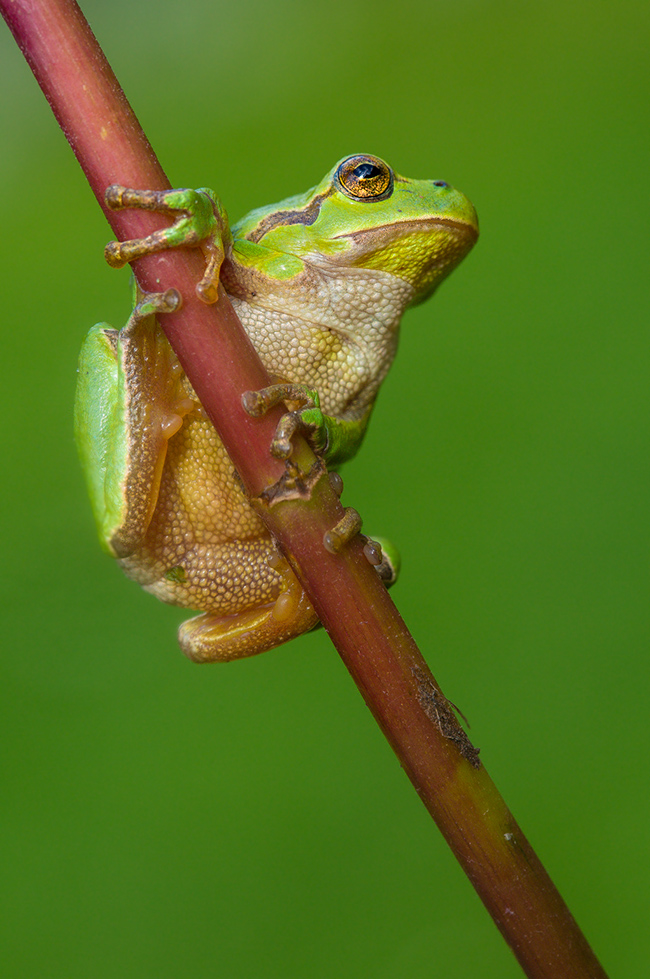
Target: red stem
(352,603)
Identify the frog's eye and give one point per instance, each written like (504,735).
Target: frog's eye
(365,178)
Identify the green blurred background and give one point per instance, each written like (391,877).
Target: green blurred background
(165,820)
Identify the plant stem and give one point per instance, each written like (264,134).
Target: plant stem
(351,601)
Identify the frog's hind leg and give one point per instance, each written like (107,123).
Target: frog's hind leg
(210,638)
(129,403)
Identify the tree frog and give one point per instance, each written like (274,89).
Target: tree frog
(320,282)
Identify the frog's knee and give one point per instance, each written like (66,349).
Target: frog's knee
(209,638)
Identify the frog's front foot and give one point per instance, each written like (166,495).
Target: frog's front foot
(200,221)
(304,415)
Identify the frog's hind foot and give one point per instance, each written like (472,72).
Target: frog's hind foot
(378,551)
(211,638)
(384,557)
(349,525)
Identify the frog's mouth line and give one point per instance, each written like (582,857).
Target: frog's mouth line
(413,225)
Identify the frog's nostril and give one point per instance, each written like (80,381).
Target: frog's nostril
(440,183)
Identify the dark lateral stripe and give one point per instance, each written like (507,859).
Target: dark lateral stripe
(307,215)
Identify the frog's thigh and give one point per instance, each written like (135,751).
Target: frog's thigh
(100,437)
(211,638)
(124,417)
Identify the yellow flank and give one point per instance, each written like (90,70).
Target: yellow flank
(203,525)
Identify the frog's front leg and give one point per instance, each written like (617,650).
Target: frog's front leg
(217,638)
(200,221)
(129,402)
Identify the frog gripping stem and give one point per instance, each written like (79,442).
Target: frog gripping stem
(257,403)
(196,224)
(349,525)
(351,601)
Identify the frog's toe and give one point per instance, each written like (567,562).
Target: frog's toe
(153,303)
(348,527)
(384,557)
(304,415)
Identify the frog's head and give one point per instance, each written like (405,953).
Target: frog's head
(363,215)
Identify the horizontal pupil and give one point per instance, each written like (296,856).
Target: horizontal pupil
(366,170)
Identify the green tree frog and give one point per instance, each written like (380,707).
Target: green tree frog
(320,282)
